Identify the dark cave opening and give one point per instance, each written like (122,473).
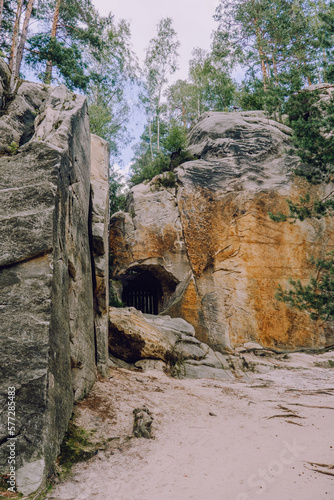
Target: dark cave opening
(148,288)
(143,291)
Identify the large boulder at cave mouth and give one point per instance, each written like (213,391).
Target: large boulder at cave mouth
(214,255)
(134,336)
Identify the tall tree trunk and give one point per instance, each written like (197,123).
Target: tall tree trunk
(261,56)
(1,11)
(184,116)
(13,49)
(48,70)
(150,134)
(158,132)
(23,37)
(158,118)
(274,63)
(275,70)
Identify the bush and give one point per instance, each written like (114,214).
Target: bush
(173,152)
(166,180)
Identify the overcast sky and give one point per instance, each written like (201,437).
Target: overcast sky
(192,20)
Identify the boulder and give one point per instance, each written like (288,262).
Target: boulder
(161,343)
(202,371)
(132,338)
(173,325)
(213,234)
(190,351)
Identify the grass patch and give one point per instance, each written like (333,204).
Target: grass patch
(166,180)
(76,447)
(12,148)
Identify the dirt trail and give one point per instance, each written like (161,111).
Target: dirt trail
(245,440)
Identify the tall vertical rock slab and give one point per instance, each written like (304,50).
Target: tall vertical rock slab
(100,246)
(46,293)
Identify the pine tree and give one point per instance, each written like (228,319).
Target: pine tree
(277,40)
(70,29)
(312,120)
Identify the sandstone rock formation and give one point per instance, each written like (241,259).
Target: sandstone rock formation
(141,339)
(47,333)
(208,247)
(100,242)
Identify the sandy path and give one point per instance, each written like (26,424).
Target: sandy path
(238,454)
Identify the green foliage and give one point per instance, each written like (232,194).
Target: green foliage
(160,62)
(76,447)
(67,59)
(209,73)
(182,102)
(79,29)
(326,34)
(173,152)
(317,296)
(277,41)
(117,192)
(251,95)
(113,297)
(146,171)
(312,120)
(12,148)
(175,140)
(113,73)
(7,24)
(166,180)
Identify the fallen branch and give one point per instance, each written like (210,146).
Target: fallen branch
(296,423)
(311,406)
(326,466)
(290,415)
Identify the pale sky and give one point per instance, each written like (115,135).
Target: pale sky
(192,21)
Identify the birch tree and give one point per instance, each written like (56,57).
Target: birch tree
(160,62)
(23,37)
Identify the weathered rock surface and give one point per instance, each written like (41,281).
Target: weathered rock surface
(100,242)
(213,238)
(46,291)
(132,338)
(151,342)
(4,82)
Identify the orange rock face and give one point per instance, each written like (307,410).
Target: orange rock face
(213,234)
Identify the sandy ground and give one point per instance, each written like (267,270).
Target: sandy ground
(258,437)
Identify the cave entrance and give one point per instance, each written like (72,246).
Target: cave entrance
(142,290)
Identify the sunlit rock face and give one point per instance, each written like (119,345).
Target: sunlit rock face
(212,237)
